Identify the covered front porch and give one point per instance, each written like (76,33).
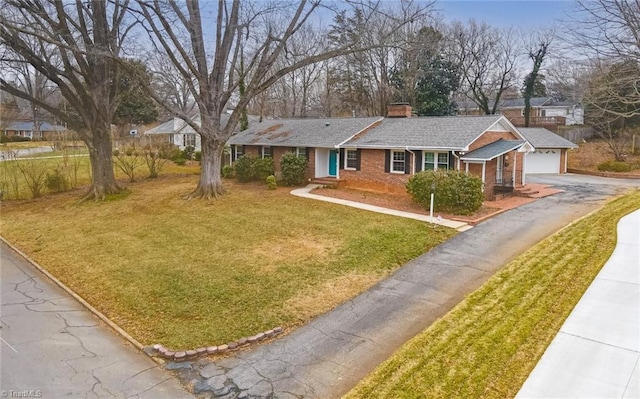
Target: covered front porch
(500,165)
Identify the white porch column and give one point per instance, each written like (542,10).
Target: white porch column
(515,166)
(524,168)
(484,167)
(466,167)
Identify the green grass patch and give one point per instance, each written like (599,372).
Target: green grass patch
(192,273)
(487,345)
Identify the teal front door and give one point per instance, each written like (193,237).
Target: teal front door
(333,164)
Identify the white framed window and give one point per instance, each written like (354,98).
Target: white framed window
(301,152)
(436,160)
(189,140)
(267,152)
(350,159)
(239,151)
(397,161)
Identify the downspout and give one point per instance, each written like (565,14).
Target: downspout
(457,160)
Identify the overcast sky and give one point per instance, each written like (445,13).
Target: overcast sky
(517,13)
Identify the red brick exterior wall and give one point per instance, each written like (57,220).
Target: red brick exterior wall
(399,111)
(563,158)
(372,176)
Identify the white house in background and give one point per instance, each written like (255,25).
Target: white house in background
(178,132)
(544,110)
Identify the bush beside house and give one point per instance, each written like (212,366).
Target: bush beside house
(455,192)
(294,169)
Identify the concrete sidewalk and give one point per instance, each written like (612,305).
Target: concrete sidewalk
(597,351)
(305,192)
(52,347)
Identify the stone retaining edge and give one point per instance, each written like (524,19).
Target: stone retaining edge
(183,355)
(602,174)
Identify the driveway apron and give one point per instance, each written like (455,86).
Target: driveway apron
(328,356)
(52,347)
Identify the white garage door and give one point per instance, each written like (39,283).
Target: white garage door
(543,160)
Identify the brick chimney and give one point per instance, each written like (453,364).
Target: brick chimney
(399,110)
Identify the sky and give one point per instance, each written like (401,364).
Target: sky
(517,13)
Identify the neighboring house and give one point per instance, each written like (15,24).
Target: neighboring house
(544,111)
(550,155)
(177,132)
(28,129)
(382,153)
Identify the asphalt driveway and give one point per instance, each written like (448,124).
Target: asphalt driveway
(328,356)
(52,347)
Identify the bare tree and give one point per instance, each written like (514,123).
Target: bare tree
(261,30)
(81,38)
(537,50)
(486,57)
(608,107)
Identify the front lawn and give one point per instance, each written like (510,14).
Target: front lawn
(488,344)
(193,273)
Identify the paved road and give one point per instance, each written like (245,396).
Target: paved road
(52,347)
(328,356)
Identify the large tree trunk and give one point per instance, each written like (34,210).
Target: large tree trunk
(104,179)
(210,185)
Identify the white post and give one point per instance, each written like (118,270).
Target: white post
(524,168)
(431,209)
(515,166)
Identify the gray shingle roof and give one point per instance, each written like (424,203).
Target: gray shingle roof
(446,132)
(323,132)
(492,150)
(542,138)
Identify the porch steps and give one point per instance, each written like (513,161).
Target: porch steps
(328,182)
(526,192)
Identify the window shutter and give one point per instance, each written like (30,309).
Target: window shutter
(341,159)
(306,153)
(418,161)
(358,155)
(452,164)
(294,150)
(407,162)
(387,161)
(233,153)
(260,152)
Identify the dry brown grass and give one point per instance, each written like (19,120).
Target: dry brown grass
(589,155)
(192,273)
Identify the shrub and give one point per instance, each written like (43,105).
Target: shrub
(57,181)
(128,161)
(294,169)
(12,139)
(455,192)
(615,166)
(227,171)
(180,161)
(244,167)
(165,150)
(271,182)
(187,153)
(153,157)
(263,168)
(197,156)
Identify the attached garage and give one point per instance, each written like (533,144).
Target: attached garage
(550,155)
(543,160)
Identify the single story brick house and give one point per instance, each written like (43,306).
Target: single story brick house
(382,153)
(28,129)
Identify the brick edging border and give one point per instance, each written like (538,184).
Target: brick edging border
(77,297)
(182,355)
(602,174)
